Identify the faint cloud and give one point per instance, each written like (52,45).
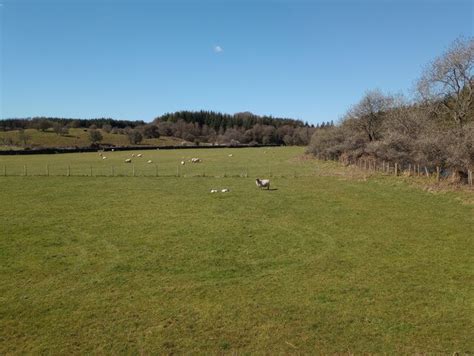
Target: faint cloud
(218,49)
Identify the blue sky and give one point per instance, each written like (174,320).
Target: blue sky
(139,59)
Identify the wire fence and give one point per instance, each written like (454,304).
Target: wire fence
(151,170)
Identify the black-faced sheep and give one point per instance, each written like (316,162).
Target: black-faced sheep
(263,183)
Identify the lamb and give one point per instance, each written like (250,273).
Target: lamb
(128,160)
(183,163)
(103,157)
(263,183)
(225,190)
(230,155)
(149,161)
(213,190)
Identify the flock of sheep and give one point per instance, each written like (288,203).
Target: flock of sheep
(261,183)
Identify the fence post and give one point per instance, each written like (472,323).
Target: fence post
(426,172)
(469,175)
(409,169)
(68,172)
(47,170)
(396,169)
(437,173)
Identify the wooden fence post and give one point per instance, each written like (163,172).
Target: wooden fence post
(437,173)
(426,172)
(409,169)
(396,169)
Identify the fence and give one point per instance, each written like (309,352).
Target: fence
(150,170)
(406,169)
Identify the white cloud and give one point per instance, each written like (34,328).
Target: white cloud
(218,49)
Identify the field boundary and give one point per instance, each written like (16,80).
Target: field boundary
(59,150)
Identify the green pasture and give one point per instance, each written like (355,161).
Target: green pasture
(250,162)
(322,263)
(77,137)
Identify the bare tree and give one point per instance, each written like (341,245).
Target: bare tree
(368,114)
(446,85)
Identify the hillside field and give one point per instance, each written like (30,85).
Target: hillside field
(149,261)
(77,137)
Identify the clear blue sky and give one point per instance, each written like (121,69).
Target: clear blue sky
(139,59)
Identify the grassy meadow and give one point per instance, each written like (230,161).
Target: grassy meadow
(77,137)
(155,264)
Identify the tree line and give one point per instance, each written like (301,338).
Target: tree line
(435,128)
(192,126)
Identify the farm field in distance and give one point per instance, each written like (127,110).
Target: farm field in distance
(156,264)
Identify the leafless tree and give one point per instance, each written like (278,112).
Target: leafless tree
(446,85)
(368,114)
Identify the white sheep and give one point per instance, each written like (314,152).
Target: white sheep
(225,190)
(128,160)
(133,154)
(149,161)
(213,190)
(139,155)
(183,163)
(230,155)
(263,183)
(103,157)
(195,160)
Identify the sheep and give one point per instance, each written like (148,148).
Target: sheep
(225,190)
(100,153)
(149,161)
(139,155)
(213,190)
(230,155)
(183,163)
(263,183)
(196,160)
(128,160)
(133,154)
(103,157)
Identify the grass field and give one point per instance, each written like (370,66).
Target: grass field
(158,265)
(77,137)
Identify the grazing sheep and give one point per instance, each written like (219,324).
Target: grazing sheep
(196,160)
(213,190)
(139,155)
(103,157)
(263,183)
(149,161)
(230,155)
(183,163)
(133,154)
(225,190)
(100,153)
(128,160)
